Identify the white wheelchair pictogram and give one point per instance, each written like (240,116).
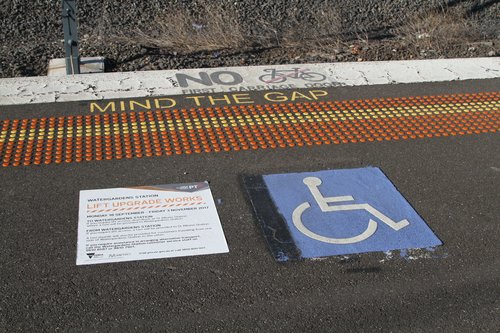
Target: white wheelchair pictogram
(324,204)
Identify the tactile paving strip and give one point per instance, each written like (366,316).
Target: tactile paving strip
(67,139)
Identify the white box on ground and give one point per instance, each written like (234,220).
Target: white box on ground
(57,67)
(148,222)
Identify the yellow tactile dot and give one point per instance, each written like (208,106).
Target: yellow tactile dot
(239,127)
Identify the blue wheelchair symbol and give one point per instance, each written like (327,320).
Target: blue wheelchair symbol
(324,204)
(363,212)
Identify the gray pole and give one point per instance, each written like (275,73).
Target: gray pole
(70,36)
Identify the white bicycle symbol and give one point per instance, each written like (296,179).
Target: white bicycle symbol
(323,203)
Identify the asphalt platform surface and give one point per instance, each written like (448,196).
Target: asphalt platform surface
(453,182)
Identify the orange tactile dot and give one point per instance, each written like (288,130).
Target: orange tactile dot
(233,128)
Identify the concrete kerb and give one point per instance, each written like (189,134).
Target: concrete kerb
(100,86)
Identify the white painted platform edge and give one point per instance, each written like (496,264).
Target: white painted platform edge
(99,86)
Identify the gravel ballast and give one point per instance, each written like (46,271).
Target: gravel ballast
(31,32)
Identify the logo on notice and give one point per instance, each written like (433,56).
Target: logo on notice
(90,255)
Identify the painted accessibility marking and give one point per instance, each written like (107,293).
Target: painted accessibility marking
(313,183)
(347,211)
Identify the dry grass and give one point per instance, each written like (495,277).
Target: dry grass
(182,32)
(438,30)
(219,28)
(318,28)
(323,24)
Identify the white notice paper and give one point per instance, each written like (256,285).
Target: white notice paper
(148,222)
